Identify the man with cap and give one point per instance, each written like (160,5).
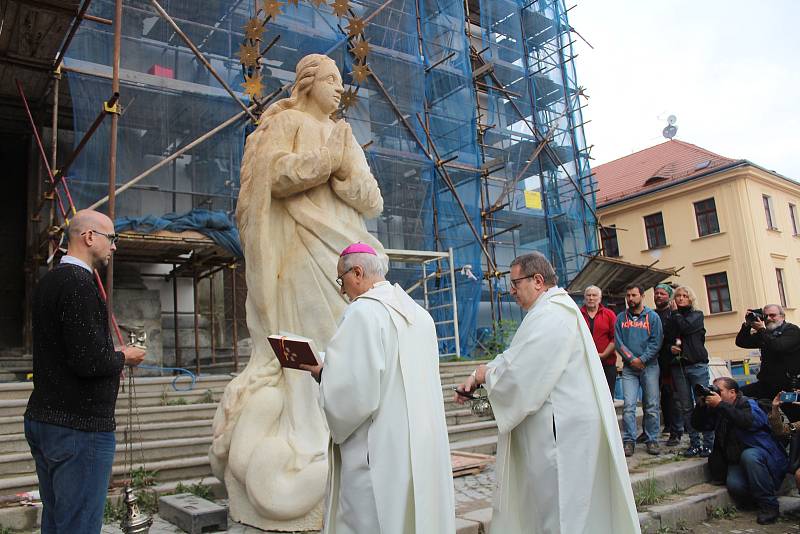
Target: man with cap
(389,467)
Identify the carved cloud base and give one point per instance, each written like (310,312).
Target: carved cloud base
(242,511)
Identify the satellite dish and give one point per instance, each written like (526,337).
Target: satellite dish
(671,120)
(670,131)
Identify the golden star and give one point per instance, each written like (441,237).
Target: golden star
(252,86)
(248,55)
(253,29)
(272,8)
(349,98)
(355,27)
(341,7)
(360,49)
(360,73)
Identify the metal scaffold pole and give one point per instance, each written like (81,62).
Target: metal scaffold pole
(112,152)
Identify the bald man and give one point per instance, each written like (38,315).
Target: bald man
(69,423)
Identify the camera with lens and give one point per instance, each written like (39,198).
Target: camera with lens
(705,391)
(754,315)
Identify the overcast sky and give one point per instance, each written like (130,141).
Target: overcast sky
(729,70)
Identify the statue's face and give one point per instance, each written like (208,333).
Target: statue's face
(327,89)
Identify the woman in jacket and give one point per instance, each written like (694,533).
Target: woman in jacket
(690,364)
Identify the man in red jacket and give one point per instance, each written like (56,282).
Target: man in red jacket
(601,324)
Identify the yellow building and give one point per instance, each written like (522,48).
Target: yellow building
(730,226)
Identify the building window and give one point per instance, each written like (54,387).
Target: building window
(705,212)
(719,296)
(768,212)
(654,228)
(608,238)
(793,215)
(781,287)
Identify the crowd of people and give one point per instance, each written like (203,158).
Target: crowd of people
(551,393)
(743,431)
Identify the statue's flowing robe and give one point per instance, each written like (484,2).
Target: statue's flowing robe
(390,463)
(294,218)
(560,464)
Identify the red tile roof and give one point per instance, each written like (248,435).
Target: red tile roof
(653,167)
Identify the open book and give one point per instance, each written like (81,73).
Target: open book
(293,350)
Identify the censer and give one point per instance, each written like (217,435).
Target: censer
(478,402)
(134,522)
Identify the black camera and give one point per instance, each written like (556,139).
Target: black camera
(702,391)
(754,315)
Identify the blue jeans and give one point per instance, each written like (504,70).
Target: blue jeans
(684,379)
(648,380)
(74,469)
(751,479)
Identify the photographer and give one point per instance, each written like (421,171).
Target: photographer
(745,455)
(779,343)
(788,432)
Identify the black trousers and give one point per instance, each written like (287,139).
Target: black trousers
(611,377)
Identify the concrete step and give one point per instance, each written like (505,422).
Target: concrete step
(164,397)
(477,429)
(482,445)
(463,415)
(150,414)
(22,464)
(12,443)
(12,362)
(164,470)
(22,390)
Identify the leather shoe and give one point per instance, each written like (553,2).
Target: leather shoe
(629,447)
(767,516)
(653,448)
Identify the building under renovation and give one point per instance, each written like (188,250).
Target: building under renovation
(469,112)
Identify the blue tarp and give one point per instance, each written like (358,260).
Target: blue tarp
(215,224)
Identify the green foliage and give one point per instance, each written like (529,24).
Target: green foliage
(141,478)
(180,401)
(498,341)
(113,513)
(207,398)
(6,530)
(147,499)
(724,512)
(647,493)
(198,490)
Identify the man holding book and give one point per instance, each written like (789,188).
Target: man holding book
(380,391)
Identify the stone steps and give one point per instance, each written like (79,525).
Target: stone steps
(144,385)
(175,437)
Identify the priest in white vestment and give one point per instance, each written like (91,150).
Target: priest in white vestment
(560,465)
(380,390)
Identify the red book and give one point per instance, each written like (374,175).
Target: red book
(293,350)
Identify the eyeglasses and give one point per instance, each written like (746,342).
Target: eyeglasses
(340,278)
(514,281)
(113,238)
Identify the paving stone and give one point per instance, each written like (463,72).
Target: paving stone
(193,514)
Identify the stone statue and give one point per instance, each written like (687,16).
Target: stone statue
(306,189)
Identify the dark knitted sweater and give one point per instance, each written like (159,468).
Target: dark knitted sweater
(75,368)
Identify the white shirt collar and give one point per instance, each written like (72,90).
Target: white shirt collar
(75,261)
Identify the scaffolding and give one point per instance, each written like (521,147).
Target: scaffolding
(469,113)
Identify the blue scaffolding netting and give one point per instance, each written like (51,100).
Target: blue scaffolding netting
(446,140)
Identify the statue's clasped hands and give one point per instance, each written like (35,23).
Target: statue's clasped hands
(337,146)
